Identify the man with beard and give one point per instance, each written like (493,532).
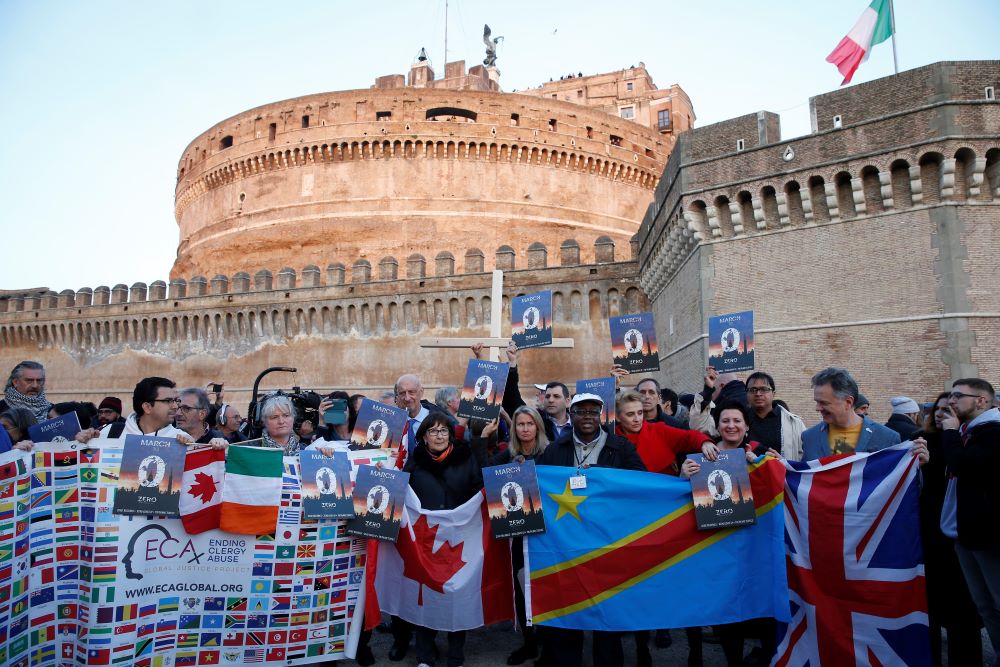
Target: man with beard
(971,443)
(26,389)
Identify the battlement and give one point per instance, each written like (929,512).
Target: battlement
(738,178)
(240,313)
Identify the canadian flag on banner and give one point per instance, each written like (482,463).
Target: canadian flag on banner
(445,571)
(201,489)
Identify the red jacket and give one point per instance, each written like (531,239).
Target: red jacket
(659,445)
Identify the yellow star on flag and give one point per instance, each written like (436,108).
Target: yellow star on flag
(567,502)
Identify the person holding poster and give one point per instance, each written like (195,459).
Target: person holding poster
(155,401)
(528,441)
(658,445)
(444,474)
(732,426)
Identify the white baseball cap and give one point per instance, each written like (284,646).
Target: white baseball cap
(584,397)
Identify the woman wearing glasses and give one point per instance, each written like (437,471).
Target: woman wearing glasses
(444,473)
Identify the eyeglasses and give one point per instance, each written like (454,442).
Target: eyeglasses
(759,390)
(586,413)
(187,408)
(438,432)
(175,401)
(957,395)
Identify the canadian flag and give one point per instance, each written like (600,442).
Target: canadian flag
(445,571)
(201,489)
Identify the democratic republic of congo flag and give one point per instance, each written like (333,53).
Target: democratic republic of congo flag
(623,554)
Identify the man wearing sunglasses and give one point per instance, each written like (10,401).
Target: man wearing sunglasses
(587,445)
(971,443)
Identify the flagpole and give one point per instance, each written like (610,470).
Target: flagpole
(892,21)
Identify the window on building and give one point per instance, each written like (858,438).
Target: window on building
(226,142)
(579,93)
(628,86)
(305,122)
(515,119)
(628,113)
(616,141)
(451,114)
(552,124)
(383,115)
(663,119)
(739,145)
(990,93)
(272,131)
(555,95)
(590,132)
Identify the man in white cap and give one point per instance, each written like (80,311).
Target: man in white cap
(904,418)
(587,445)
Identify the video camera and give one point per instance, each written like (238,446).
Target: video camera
(306,404)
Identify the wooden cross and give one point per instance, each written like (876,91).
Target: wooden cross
(494,342)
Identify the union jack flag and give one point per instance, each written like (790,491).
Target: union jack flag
(855,562)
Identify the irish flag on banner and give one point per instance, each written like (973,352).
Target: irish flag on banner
(874,27)
(201,489)
(251,492)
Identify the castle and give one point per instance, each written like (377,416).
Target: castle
(415,168)
(869,243)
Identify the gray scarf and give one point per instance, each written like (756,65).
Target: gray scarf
(291,448)
(39,405)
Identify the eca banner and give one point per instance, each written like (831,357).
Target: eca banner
(82,585)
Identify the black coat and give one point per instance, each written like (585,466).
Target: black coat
(512,401)
(975,466)
(948,598)
(616,453)
(902,425)
(444,485)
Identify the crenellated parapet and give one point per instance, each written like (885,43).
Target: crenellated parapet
(406,170)
(234,315)
(869,244)
(738,179)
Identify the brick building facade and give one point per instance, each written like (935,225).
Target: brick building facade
(870,243)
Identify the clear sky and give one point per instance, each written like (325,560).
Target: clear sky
(99,98)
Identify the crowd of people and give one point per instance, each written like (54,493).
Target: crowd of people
(955,436)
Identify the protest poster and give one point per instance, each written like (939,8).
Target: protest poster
(730,342)
(605,388)
(721,491)
(483,390)
(531,320)
(378,502)
(59,429)
(513,501)
(633,343)
(150,477)
(378,426)
(326,485)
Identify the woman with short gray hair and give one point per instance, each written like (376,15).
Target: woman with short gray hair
(277,413)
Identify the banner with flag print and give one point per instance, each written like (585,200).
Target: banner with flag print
(855,562)
(81,585)
(615,550)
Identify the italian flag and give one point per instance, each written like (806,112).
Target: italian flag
(201,489)
(251,492)
(874,27)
